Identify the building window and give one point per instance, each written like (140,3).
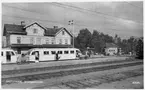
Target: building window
(35,30)
(63,32)
(31,40)
(18,40)
(47,41)
(60,41)
(52,40)
(19,51)
(66,41)
(38,41)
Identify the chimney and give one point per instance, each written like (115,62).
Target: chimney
(23,23)
(55,27)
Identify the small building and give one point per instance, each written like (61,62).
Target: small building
(24,37)
(111,49)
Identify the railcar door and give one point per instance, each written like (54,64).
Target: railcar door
(35,56)
(13,57)
(3,57)
(8,56)
(53,55)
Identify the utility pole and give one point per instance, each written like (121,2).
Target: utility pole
(72,23)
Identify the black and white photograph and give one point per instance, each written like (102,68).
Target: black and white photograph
(72,45)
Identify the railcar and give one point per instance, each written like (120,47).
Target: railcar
(8,56)
(46,54)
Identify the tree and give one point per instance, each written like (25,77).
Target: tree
(76,43)
(95,41)
(98,41)
(139,49)
(84,38)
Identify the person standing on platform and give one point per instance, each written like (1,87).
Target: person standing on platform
(57,57)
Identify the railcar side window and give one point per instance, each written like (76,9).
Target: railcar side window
(71,52)
(46,52)
(65,52)
(1,53)
(59,52)
(53,52)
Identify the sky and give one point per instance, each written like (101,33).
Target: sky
(122,18)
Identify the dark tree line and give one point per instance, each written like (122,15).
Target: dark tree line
(139,49)
(98,40)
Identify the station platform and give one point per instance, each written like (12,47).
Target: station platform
(59,63)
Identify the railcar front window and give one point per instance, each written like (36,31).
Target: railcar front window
(33,53)
(12,53)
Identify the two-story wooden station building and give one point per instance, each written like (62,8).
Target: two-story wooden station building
(24,37)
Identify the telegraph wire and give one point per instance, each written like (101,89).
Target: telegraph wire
(23,9)
(92,11)
(134,5)
(76,8)
(33,19)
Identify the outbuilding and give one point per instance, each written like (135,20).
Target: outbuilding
(111,49)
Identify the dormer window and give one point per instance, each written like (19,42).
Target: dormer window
(35,30)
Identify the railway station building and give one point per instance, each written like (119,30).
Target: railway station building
(24,37)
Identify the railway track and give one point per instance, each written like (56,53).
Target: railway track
(30,70)
(94,81)
(65,73)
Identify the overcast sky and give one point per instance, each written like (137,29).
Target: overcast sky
(122,18)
